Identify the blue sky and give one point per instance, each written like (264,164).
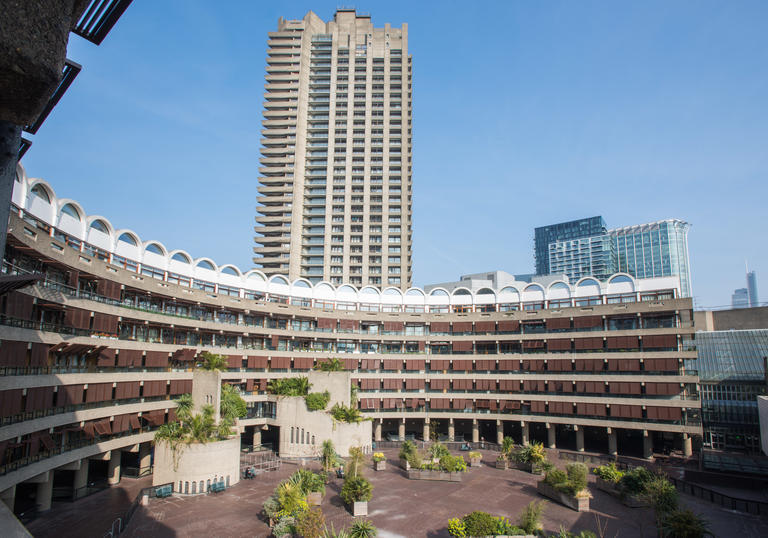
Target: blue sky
(525,114)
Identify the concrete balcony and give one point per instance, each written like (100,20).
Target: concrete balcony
(269,219)
(275,189)
(273,199)
(281,87)
(277,161)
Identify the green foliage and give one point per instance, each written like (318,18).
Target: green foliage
(685,524)
(438,450)
(452,464)
(563,533)
(355,462)
(457,528)
(362,528)
(661,495)
(184,405)
(291,498)
(342,413)
(555,477)
(212,362)
(609,472)
(308,482)
(332,533)
(285,525)
(577,475)
(530,517)
(633,482)
(356,489)
(328,455)
(232,404)
(289,386)
(530,453)
(475,455)
(507,444)
(406,449)
(414,460)
(505,528)
(317,401)
(271,507)
(353,395)
(311,523)
(571,482)
(480,524)
(330,365)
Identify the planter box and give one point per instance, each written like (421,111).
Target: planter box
(380,465)
(314,498)
(360,508)
(632,501)
(502,464)
(580,504)
(405,465)
(418,474)
(475,462)
(528,468)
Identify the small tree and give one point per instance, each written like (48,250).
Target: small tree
(530,517)
(212,362)
(507,444)
(356,489)
(355,462)
(662,496)
(328,455)
(311,523)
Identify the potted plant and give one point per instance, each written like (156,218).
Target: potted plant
(530,458)
(568,488)
(357,491)
(379,461)
(407,453)
(474,459)
(502,461)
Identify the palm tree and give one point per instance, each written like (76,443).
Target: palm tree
(169,432)
(507,444)
(184,406)
(232,404)
(201,426)
(328,455)
(213,363)
(685,524)
(355,462)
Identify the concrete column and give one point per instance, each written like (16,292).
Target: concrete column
(475,431)
(499,432)
(145,455)
(687,446)
(81,479)
(524,434)
(579,439)
(113,468)
(613,449)
(425,431)
(647,445)
(377,430)
(44,494)
(401,430)
(256,442)
(9,497)
(451,430)
(551,435)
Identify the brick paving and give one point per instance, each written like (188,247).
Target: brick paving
(402,507)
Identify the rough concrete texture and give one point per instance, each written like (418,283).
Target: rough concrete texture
(33,47)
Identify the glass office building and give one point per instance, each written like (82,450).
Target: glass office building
(564,231)
(732,374)
(653,250)
(587,256)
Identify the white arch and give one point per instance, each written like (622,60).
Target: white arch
(559,289)
(66,222)
(127,250)
(279,280)
(325,291)
(587,287)
(533,292)
(98,238)
(45,211)
(369,290)
(391,295)
(484,296)
(230,266)
(620,283)
(204,272)
(255,275)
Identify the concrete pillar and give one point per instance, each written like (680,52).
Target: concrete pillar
(524,434)
(425,431)
(256,441)
(377,430)
(475,431)
(579,439)
(613,448)
(9,497)
(81,480)
(499,432)
(401,430)
(145,455)
(113,469)
(647,445)
(44,494)
(687,446)
(551,436)
(451,430)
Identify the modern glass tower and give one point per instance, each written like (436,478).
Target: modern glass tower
(653,250)
(335,180)
(563,231)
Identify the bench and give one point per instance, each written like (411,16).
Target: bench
(216,487)
(465,447)
(164,491)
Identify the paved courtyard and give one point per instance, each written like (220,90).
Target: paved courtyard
(402,507)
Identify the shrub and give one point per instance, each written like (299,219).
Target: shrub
(342,413)
(285,525)
(406,449)
(555,477)
(328,455)
(378,456)
(531,453)
(686,524)
(530,517)
(633,482)
(457,528)
(452,464)
(608,472)
(355,462)
(330,365)
(311,524)
(356,489)
(414,460)
(577,475)
(438,450)
(308,482)
(505,528)
(317,401)
(480,524)
(290,386)
(475,455)
(362,528)
(507,444)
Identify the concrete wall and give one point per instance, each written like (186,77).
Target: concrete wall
(762,409)
(206,390)
(737,318)
(337,383)
(196,462)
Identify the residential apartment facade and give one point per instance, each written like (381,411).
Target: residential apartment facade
(335,180)
(94,353)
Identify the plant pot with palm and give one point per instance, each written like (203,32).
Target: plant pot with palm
(502,462)
(408,452)
(530,458)
(356,492)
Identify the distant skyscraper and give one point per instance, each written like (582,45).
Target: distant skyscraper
(564,231)
(655,249)
(335,181)
(740,298)
(586,256)
(752,288)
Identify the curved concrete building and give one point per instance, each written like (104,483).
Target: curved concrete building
(94,352)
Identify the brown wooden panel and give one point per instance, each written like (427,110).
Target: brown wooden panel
(349,324)
(127,390)
(558,323)
(258,363)
(280,362)
(439,327)
(462,365)
(39,398)
(462,346)
(303,363)
(394,326)
(77,318)
(10,403)
(587,322)
(154,388)
(154,359)
(462,326)
(13,353)
(485,326)
(415,364)
(509,326)
(560,344)
(98,392)
(104,323)
(414,384)
(509,365)
(588,343)
(326,323)
(439,364)
(19,305)
(439,384)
